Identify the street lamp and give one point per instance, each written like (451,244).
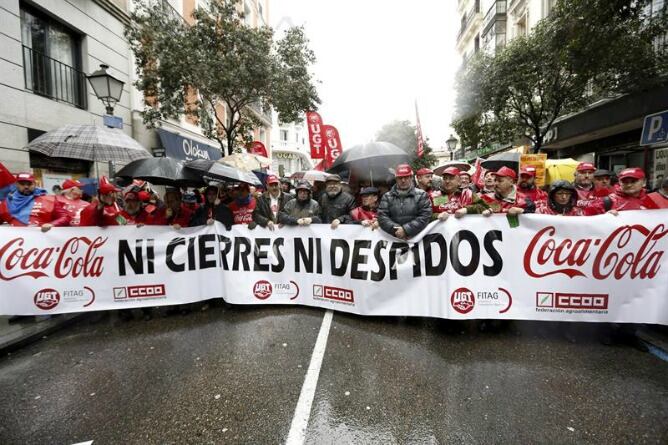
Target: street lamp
(106,87)
(452,145)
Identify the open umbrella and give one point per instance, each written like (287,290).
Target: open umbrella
(246,161)
(368,156)
(510,160)
(310,175)
(216,171)
(162,171)
(461,165)
(89,142)
(560,169)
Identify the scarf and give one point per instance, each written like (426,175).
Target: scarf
(20,205)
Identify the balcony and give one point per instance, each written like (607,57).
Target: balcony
(53,79)
(468,19)
(495,14)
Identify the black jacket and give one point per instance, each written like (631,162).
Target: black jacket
(295,209)
(263,214)
(338,207)
(411,211)
(219,212)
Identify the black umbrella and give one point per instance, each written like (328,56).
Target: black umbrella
(216,171)
(162,171)
(510,160)
(370,157)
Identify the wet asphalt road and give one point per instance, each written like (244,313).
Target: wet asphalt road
(235,375)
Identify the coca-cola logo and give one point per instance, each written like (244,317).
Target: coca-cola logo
(76,257)
(600,258)
(47,299)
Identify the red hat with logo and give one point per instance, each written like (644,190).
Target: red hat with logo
(454,171)
(424,171)
(634,172)
(273,179)
(528,171)
(25,177)
(585,167)
(70,183)
(506,172)
(403,170)
(106,187)
(144,196)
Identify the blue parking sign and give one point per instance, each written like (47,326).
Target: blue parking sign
(655,129)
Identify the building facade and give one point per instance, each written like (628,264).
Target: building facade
(289,147)
(46,50)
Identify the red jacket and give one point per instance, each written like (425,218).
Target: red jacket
(45,210)
(585,196)
(359,214)
(451,203)
(502,205)
(111,216)
(622,202)
(603,191)
(73,207)
(535,194)
(242,214)
(659,200)
(182,217)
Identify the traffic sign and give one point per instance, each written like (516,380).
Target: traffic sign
(655,129)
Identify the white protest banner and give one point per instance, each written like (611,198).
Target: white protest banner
(601,268)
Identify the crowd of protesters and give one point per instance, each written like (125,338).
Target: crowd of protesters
(402,207)
(403,210)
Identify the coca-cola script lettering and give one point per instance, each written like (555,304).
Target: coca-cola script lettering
(76,257)
(612,256)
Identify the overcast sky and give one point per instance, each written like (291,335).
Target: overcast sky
(376,57)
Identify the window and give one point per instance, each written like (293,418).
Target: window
(247,14)
(51,61)
(284,135)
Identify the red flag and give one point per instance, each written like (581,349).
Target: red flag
(258,148)
(315,136)
(477,178)
(332,143)
(420,141)
(6,178)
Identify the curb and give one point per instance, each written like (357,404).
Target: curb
(31,334)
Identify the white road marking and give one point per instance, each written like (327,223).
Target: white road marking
(297,433)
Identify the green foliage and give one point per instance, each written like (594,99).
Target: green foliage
(219,70)
(403,134)
(584,51)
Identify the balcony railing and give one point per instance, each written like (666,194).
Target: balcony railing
(54,79)
(468,18)
(496,12)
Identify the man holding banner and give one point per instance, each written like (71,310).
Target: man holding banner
(405,210)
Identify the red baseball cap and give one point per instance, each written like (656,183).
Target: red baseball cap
(424,171)
(454,171)
(106,187)
(634,172)
(273,179)
(506,172)
(529,171)
(70,183)
(585,166)
(25,177)
(403,170)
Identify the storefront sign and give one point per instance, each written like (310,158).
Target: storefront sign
(660,166)
(185,149)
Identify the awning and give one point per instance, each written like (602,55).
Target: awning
(186,149)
